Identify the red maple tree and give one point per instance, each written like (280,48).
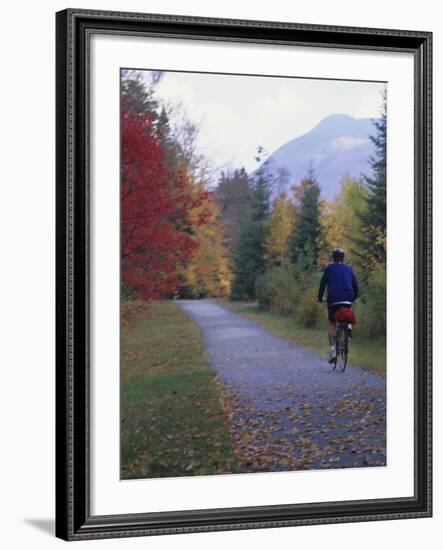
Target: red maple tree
(156,231)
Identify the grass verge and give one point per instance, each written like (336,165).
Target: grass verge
(172,423)
(366,354)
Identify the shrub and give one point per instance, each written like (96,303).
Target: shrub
(288,291)
(371,309)
(277,290)
(292,292)
(309,313)
(264,290)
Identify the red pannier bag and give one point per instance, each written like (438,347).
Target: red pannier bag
(345,314)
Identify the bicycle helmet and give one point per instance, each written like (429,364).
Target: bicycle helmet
(338,254)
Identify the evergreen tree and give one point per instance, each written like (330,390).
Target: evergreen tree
(233,197)
(307,228)
(163,127)
(173,153)
(370,246)
(249,256)
(137,92)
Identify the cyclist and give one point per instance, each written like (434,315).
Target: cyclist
(342,292)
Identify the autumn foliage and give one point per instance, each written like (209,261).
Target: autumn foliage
(209,272)
(156,207)
(182,236)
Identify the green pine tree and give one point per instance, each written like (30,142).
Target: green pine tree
(249,256)
(137,92)
(371,244)
(305,240)
(233,197)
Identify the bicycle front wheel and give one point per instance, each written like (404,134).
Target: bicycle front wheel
(342,346)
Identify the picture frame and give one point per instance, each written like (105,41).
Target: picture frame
(74,518)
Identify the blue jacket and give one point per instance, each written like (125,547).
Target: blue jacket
(341,282)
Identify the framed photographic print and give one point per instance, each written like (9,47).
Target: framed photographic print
(243,274)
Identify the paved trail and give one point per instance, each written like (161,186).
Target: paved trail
(289,409)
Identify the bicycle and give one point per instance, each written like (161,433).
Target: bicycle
(341,346)
(343,334)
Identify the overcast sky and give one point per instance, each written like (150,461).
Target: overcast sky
(238,113)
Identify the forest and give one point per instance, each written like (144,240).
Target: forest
(186,233)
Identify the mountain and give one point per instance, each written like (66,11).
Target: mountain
(339,144)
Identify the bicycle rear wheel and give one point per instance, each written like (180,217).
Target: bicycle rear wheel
(342,346)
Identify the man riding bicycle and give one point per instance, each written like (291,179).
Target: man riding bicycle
(342,292)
